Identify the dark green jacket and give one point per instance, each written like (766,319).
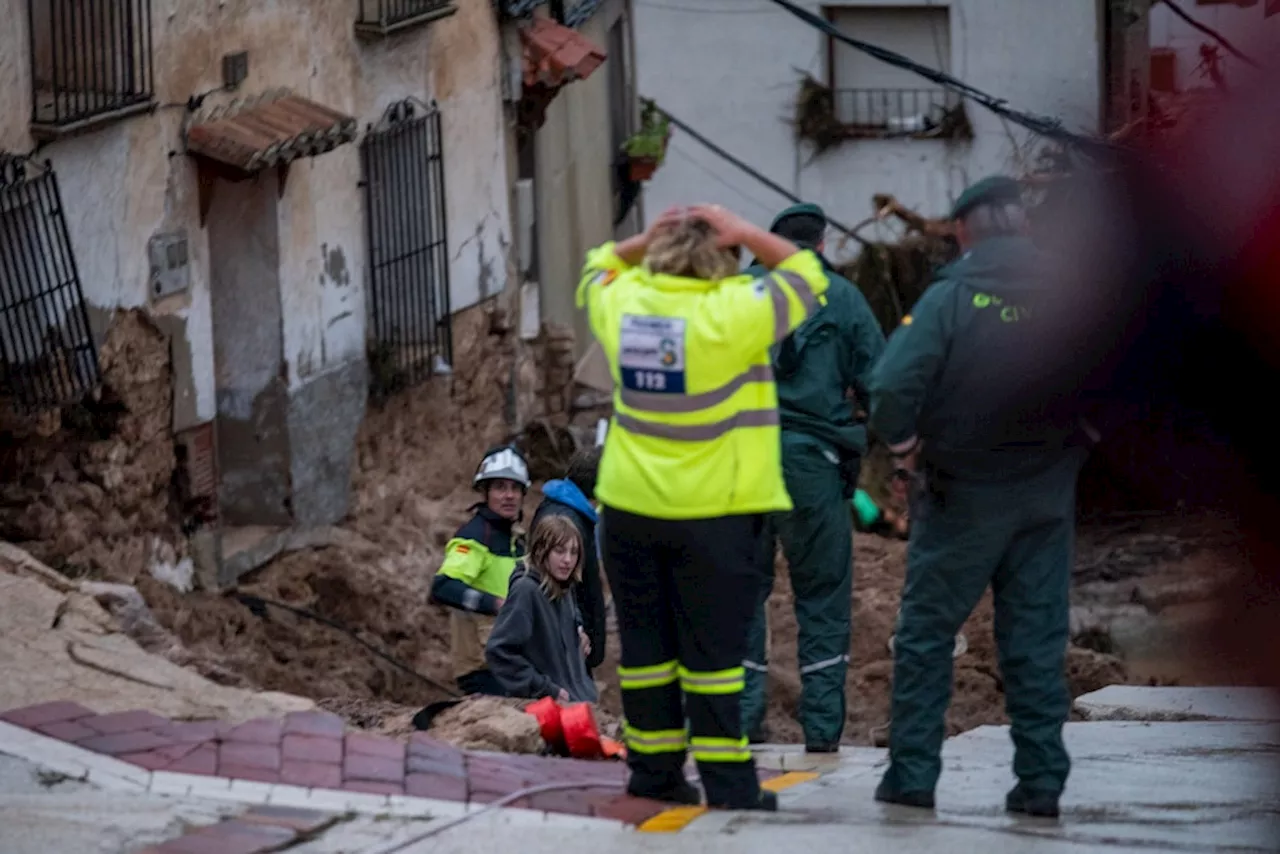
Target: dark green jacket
(830,353)
(965,372)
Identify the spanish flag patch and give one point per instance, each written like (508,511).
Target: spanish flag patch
(462,549)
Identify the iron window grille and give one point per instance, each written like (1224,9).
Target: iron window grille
(91,61)
(47,354)
(410,319)
(380,18)
(895,112)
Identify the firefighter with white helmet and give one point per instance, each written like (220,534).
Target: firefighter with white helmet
(478,563)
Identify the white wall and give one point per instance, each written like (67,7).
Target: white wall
(1246,28)
(126,181)
(1041,55)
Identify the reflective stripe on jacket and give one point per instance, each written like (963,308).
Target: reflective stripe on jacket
(695,427)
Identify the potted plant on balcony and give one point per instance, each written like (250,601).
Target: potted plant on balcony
(647,147)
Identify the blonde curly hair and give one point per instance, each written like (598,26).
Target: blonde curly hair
(688,247)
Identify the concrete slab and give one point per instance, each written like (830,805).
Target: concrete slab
(1138,703)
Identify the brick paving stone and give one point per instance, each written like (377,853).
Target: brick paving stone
(571,802)
(302,821)
(257,731)
(421,744)
(151,760)
(311,748)
(423,765)
(31,717)
(66,731)
(193,731)
(314,723)
(493,775)
(628,809)
(379,768)
(440,786)
(202,760)
(489,797)
(373,787)
(373,745)
(138,741)
(121,722)
(248,772)
(249,755)
(313,775)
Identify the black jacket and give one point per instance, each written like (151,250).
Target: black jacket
(533,649)
(563,498)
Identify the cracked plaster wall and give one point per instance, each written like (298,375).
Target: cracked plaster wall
(124,182)
(1041,55)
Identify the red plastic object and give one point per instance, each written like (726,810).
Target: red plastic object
(581,735)
(548,715)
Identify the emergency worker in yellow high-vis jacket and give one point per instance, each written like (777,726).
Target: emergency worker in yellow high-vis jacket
(691,464)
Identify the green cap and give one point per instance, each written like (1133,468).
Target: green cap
(802,209)
(997,189)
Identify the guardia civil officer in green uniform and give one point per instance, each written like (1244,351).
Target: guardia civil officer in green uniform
(960,396)
(821,370)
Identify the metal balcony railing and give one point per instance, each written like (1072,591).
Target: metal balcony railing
(894,112)
(91,60)
(380,18)
(47,353)
(410,330)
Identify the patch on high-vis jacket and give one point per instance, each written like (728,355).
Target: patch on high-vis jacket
(604,277)
(462,549)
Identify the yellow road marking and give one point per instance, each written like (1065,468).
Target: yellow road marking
(677,819)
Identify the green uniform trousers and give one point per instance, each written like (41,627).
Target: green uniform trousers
(817,541)
(1016,537)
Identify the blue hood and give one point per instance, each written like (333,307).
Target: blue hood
(566,492)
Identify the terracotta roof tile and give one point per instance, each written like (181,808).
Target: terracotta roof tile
(555,55)
(271,130)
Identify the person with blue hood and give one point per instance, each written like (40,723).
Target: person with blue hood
(989,432)
(572,497)
(821,371)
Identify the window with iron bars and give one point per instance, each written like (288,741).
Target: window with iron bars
(894,112)
(47,354)
(91,62)
(411,332)
(381,18)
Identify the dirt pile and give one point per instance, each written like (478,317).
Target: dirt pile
(87,490)
(489,723)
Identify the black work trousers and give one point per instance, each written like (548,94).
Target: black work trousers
(685,593)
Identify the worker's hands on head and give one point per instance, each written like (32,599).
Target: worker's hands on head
(730,229)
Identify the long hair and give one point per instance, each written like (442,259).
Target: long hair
(550,532)
(688,248)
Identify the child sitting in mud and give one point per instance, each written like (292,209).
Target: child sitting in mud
(537,647)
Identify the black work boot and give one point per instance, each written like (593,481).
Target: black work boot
(672,788)
(762,801)
(887,794)
(1042,803)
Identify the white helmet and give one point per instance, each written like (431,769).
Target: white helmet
(503,463)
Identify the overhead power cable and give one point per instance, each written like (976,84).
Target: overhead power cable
(772,185)
(1210,32)
(1046,127)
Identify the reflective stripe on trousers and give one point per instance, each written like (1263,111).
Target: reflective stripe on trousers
(651,676)
(720,749)
(655,741)
(730,681)
(823,665)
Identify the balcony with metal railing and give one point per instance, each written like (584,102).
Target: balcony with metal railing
(900,113)
(91,63)
(382,18)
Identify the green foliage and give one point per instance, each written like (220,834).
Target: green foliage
(650,141)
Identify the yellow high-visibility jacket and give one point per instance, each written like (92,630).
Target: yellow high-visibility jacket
(695,430)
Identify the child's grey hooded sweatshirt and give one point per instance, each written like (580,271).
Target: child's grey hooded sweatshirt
(533,650)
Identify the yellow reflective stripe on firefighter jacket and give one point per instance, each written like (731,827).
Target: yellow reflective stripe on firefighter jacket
(695,427)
